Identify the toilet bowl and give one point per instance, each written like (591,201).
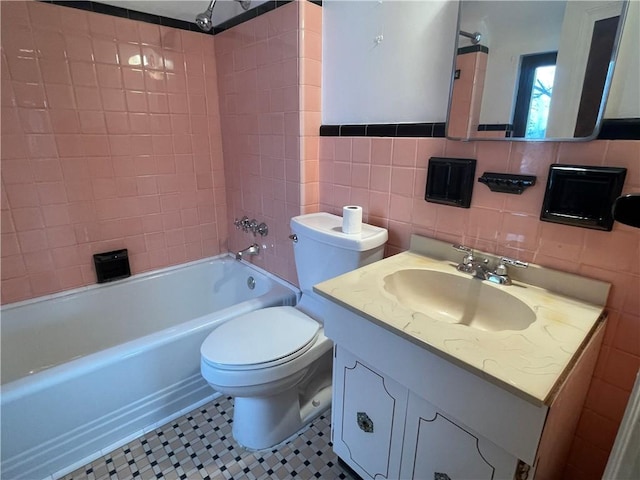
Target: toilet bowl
(276,362)
(280,381)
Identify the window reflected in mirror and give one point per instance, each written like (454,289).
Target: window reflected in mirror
(533,97)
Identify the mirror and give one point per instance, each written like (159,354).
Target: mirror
(533,70)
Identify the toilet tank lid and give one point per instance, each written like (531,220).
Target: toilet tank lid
(327,228)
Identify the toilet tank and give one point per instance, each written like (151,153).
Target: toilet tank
(323,251)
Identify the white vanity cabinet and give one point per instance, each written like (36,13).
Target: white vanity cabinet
(401,412)
(382,430)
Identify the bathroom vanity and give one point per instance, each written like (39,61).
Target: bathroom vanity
(438,375)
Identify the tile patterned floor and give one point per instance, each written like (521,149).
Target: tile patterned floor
(199,445)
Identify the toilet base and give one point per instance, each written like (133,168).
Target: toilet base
(272,404)
(264,422)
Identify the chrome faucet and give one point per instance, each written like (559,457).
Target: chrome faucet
(251,250)
(480,268)
(470,265)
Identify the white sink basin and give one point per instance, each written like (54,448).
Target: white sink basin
(459,300)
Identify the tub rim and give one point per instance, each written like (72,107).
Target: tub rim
(83,364)
(140,276)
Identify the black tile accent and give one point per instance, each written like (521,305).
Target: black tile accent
(353,130)
(174,23)
(439,129)
(415,130)
(612,129)
(145,17)
(78,5)
(250,14)
(381,130)
(473,49)
(495,127)
(329,130)
(620,129)
(427,129)
(114,11)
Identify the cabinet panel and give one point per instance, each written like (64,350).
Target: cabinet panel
(368,419)
(439,448)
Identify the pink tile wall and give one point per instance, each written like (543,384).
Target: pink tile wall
(110,139)
(310,40)
(387,177)
(269,80)
(467,94)
(461,97)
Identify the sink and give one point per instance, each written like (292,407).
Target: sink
(459,300)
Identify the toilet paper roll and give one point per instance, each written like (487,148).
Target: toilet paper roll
(351,219)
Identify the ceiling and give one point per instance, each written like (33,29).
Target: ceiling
(184,10)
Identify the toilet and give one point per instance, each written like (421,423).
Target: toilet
(276,362)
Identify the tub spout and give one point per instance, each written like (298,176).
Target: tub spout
(251,250)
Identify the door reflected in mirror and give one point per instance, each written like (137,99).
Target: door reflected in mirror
(533,70)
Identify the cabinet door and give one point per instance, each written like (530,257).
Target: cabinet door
(368,418)
(438,448)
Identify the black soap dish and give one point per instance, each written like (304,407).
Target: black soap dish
(112,266)
(582,195)
(507,182)
(626,209)
(450,181)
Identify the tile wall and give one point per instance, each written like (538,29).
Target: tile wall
(467,94)
(387,177)
(269,83)
(110,139)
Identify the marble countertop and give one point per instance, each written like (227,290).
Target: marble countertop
(529,362)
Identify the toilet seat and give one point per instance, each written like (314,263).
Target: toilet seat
(260,339)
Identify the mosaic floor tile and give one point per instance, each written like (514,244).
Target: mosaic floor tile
(199,445)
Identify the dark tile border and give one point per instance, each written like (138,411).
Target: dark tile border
(249,15)
(473,49)
(612,129)
(114,11)
(620,129)
(384,130)
(495,127)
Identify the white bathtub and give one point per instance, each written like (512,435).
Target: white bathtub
(83,370)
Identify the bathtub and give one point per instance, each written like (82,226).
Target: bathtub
(89,368)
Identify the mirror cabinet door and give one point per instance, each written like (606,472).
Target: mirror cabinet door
(533,70)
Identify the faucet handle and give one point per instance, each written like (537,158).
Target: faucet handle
(243,223)
(262,229)
(501,269)
(513,262)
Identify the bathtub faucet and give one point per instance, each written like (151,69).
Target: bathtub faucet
(252,250)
